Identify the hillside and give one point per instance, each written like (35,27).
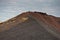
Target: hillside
(31,26)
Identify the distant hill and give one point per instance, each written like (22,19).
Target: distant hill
(31,26)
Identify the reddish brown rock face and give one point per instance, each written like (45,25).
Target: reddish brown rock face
(47,19)
(48,22)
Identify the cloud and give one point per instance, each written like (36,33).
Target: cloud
(44,0)
(15,7)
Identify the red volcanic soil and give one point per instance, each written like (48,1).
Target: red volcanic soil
(45,18)
(48,19)
(49,22)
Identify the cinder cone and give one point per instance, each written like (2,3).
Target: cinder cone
(31,26)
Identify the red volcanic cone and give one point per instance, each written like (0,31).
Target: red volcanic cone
(31,26)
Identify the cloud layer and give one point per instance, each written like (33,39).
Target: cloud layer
(11,8)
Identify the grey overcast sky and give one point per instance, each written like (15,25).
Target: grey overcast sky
(11,8)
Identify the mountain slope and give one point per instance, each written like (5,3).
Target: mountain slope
(31,26)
